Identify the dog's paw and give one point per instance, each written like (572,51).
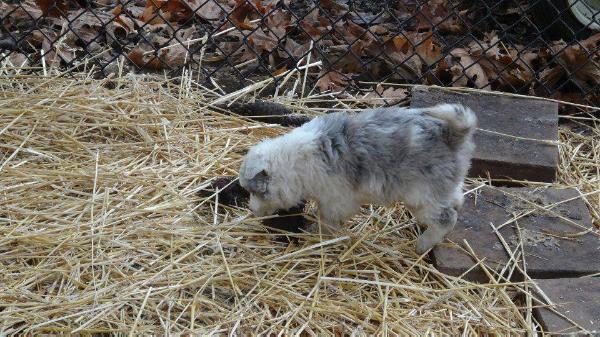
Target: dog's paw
(324,228)
(424,244)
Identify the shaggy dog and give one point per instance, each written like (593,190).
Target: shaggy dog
(380,156)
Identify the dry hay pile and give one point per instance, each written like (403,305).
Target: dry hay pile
(102,228)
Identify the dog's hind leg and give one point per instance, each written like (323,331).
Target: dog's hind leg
(439,219)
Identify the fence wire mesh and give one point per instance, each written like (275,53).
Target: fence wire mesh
(539,47)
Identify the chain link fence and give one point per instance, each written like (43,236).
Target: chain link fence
(546,48)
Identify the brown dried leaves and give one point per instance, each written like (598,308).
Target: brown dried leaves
(351,43)
(171,56)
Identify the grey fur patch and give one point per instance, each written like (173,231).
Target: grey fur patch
(258,184)
(254,178)
(391,145)
(448,217)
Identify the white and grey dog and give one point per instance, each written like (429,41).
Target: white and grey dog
(382,156)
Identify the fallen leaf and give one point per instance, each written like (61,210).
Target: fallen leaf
(505,67)
(428,50)
(578,63)
(54,8)
(242,14)
(296,50)
(183,10)
(208,9)
(353,32)
(121,27)
(84,26)
(458,76)
(247,54)
(278,22)
(162,52)
(132,10)
(397,44)
(396,94)
(258,44)
(430,14)
(592,44)
(337,57)
(262,41)
(469,68)
(490,44)
(314,25)
(279,71)
(441,74)
(363,48)
(389,96)
(53,52)
(158,12)
(17,15)
(379,29)
(152,13)
(314,31)
(529,58)
(117,10)
(231,50)
(18,59)
(331,80)
(179,53)
(368,18)
(452,24)
(139,57)
(335,7)
(400,54)
(180,10)
(36,38)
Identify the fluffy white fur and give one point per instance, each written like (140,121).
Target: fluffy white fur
(342,161)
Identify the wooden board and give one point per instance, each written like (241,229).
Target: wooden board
(547,255)
(498,155)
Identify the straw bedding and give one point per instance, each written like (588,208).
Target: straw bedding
(102,228)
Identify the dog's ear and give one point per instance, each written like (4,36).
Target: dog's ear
(253,175)
(326,147)
(259,182)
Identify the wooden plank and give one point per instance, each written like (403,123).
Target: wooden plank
(498,153)
(547,255)
(576,299)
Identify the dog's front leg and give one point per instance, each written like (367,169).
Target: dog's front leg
(333,213)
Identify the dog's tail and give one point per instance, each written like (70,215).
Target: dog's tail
(461,121)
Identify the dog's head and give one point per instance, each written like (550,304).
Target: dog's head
(277,171)
(255,178)
(262,177)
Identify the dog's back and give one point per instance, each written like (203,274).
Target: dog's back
(383,151)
